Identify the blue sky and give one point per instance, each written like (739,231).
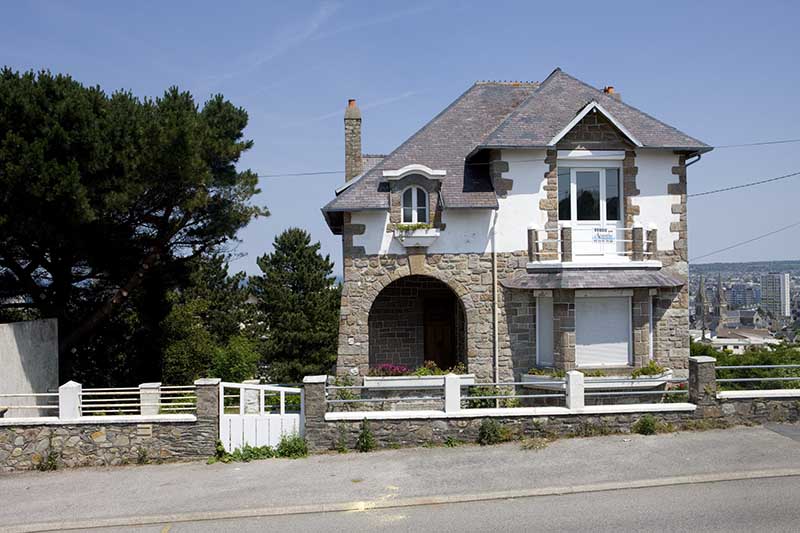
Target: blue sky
(724,72)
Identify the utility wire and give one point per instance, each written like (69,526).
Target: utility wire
(756,144)
(300,174)
(748,241)
(734,187)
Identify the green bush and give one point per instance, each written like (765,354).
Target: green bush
(141,456)
(492,432)
(292,447)
(549,372)
(48,463)
(782,354)
(486,403)
(451,442)
(366,440)
(647,425)
(650,369)
(341,439)
(430,368)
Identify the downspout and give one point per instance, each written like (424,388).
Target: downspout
(690,163)
(495,313)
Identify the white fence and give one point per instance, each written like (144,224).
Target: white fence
(258,415)
(72,401)
(741,378)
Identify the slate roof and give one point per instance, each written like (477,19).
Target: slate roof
(616,278)
(443,144)
(560,98)
(495,115)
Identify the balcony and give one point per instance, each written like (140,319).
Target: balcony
(592,246)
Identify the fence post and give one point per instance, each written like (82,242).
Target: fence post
(69,400)
(452,393)
(314,408)
(574,390)
(208,407)
(149,398)
(652,244)
(702,380)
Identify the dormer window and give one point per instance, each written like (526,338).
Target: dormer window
(415,206)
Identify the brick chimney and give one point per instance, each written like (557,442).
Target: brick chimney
(352,141)
(610,91)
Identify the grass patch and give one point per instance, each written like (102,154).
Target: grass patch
(650,425)
(591,429)
(290,447)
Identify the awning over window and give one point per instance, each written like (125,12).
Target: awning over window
(618,278)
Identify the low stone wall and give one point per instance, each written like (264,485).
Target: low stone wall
(113,440)
(25,447)
(755,410)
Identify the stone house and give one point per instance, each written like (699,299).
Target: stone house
(526,225)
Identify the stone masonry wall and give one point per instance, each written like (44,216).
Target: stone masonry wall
(469,276)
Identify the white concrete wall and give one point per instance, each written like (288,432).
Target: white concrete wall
(28,362)
(469,230)
(655,205)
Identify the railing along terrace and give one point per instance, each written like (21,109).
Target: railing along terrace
(367,397)
(758,380)
(579,241)
(504,394)
(29,404)
(146,399)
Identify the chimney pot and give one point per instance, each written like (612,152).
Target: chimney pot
(351,102)
(609,89)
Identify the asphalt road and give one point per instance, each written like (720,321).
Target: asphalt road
(428,488)
(753,505)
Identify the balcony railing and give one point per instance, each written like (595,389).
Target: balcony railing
(579,244)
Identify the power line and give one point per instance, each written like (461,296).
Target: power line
(300,174)
(756,144)
(734,187)
(748,241)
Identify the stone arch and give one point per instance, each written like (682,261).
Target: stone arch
(417,318)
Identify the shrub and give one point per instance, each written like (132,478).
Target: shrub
(492,432)
(292,447)
(485,403)
(650,369)
(365,441)
(550,372)
(450,442)
(48,463)
(244,454)
(647,425)
(141,456)
(782,354)
(430,368)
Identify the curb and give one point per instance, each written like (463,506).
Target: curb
(403,502)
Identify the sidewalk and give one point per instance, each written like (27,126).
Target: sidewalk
(176,489)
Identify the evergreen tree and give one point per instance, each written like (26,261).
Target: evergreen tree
(299,303)
(209,330)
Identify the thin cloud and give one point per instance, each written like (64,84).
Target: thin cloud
(370,105)
(389,17)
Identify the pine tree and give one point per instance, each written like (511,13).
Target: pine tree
(299,301)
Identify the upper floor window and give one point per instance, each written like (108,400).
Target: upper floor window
(415,206)
(589,194)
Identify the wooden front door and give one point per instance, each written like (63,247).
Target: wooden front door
(440,334)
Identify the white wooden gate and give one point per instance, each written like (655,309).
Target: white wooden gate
(257,415)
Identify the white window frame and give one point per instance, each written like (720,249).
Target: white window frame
(414,205)
(582,166)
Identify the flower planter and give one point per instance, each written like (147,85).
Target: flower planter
(412,382)
(418,238)
(596,383)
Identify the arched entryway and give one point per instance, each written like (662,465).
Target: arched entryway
(416,319)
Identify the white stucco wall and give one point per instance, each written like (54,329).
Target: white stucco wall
(28,362)
(655,205)
(469,230)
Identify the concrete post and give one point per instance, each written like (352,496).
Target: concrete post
(702,380)
(150,398)
(69,400)
(452,393)
(638,243)
(533,243)
(574,389)
(566,244)
(251,397)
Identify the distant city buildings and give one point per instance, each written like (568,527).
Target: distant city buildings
(775,292)
(744,295)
